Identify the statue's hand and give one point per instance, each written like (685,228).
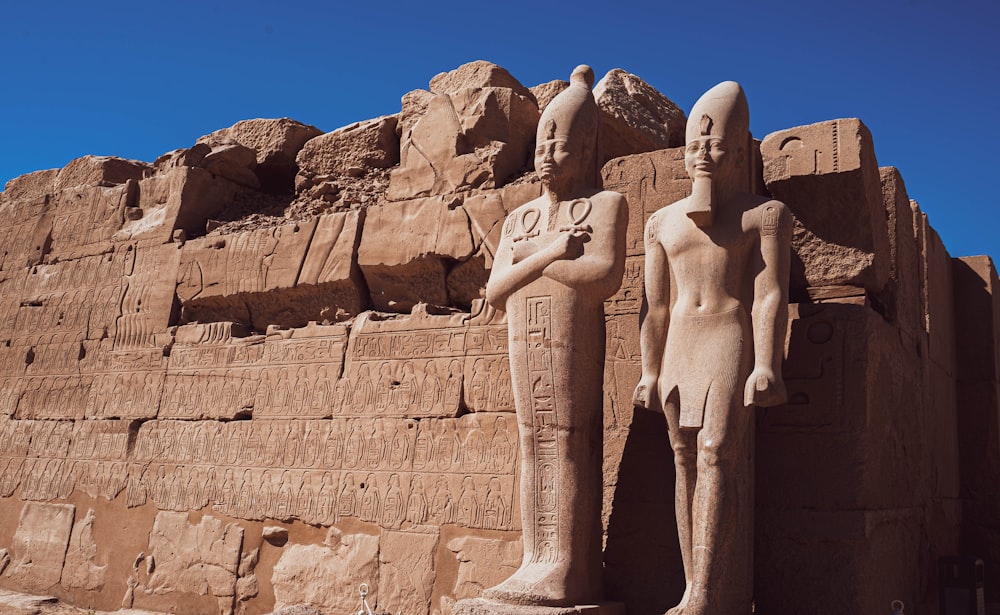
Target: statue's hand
(568,244)
(645,393)
(764,388)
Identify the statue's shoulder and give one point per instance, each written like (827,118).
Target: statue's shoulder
(767,214)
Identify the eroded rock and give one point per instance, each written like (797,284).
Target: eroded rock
(475,131)
(81,570)
(275,142)
(347,151)
(327,576)
(635,118)
(200,559)
(40,543)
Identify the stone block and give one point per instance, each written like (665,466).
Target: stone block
(30,186)
(81,570)
(635,118)
(475,130)
(327,576)
(101,171)
(828,176)
(330,286)
(179,198)
(192,561)
(39,546)
(852,434)
(240,277)
(276,143)
(476,74)
(482,563)
(649,181)
(829,562)
(233,161)
(407,570)
(938,295)
(977,318)
(408,247)
(148,305)
(348,151)
(904,297)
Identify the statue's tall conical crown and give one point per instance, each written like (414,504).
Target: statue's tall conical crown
(573,113)
(721,112)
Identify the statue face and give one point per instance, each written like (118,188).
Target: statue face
(554,159)
(706,156)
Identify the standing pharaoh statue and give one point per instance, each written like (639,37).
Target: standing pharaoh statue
(712,340)
(560,256)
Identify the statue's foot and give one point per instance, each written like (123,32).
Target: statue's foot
(535,585)
(682,605)
(697,603)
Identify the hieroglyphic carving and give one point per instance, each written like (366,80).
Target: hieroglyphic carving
(387,471)
(147,302)
(125,383)
(288,373)
(425,365)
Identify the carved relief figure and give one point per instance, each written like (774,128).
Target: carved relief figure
(723,254)
(560,256)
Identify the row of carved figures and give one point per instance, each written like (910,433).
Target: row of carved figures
(315,497)
(444,445)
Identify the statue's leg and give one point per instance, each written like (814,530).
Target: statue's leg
(723,509)
(684,444)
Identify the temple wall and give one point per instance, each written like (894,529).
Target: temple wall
(229,384)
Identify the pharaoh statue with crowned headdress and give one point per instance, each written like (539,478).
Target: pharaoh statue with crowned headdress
(712,339)
(560,256)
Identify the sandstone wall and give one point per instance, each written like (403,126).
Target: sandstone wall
(259,371)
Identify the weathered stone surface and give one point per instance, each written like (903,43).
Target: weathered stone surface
(827,174)
(408,248)
(635,118)
(482,563)
(200,559)
(99,171)
(471,134)
(30,186)
(302,271)
(276,143)
(327,576)
(477,74)
(214,284)
(181,198)
(904,271)
(348,151)
(233,161)
(406,571)
(649,182)
(81,570)
(545,92)
(40,544)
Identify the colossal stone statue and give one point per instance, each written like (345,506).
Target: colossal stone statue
(712,338)
(560,256)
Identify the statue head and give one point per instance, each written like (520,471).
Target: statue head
(718,132)
(566,139)
(718,140)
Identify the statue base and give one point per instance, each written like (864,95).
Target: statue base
(482,606)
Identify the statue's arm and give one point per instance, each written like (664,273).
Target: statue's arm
(765,386)
(655,314)
(602,264)
(506,276)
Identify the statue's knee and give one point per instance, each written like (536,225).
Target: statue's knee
(711,453)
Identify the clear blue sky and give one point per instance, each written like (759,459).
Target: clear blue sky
(136,79)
